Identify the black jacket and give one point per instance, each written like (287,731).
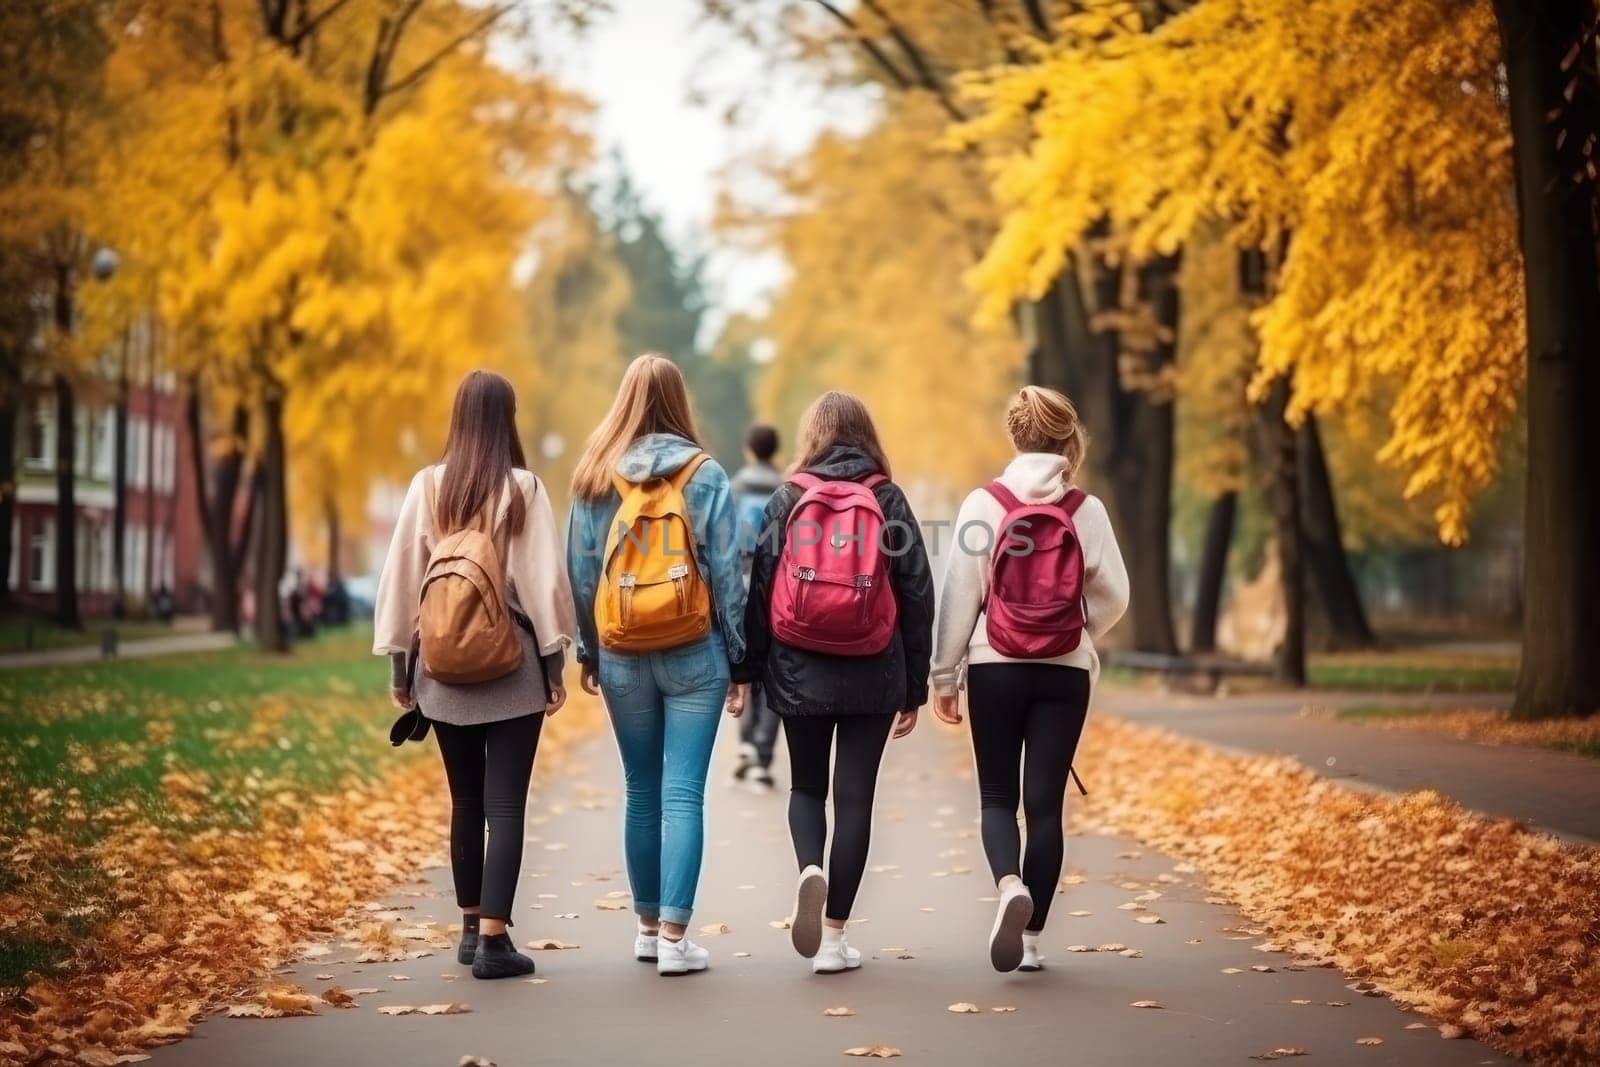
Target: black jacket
(798,681)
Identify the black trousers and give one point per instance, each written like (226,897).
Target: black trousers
(860,743)
(1026,720)
(758,727)
(488,766)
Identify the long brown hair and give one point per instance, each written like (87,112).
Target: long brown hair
(1043,420)
(651,399)
(837,418)
(480,453)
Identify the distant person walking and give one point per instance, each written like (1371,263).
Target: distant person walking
(753,487)
(473,587)
(655,568)
(1047,585)
(840,629)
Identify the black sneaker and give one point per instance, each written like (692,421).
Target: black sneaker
(747,760)
(467,951)
(497,957)
(761,780)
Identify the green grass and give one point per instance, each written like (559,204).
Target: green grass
(187,743)
(1396,674)
(1370,712)
(241,722)
(24,635)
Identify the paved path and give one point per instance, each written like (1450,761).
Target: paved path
(177,644)
(922,922)
(1552,791)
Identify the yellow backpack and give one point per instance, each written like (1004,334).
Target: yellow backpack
(651,594)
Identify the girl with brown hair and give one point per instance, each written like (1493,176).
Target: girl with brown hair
(488,731)
(844,704)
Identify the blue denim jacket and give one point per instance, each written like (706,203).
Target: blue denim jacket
(711,510)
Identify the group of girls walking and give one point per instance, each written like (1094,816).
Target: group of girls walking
(837,630)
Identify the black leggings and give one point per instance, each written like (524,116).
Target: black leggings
(855,778)
(1027,715)
(488,766)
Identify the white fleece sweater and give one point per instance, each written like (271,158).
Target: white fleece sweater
(961,636)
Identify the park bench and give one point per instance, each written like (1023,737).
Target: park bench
(1201,672)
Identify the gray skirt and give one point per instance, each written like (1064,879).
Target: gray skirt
(522,692)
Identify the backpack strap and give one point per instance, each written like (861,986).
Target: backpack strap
(687,471)
(678,480)
(1007,498)
(1070,503)
(430,495)
(806,480)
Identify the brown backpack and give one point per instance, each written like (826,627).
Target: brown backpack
(464,623)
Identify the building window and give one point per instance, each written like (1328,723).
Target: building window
(41,444)
(171,477)
(83,419)
(42,557)
(103,445)
(138,451)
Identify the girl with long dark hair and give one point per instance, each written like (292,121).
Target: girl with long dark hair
(488,730)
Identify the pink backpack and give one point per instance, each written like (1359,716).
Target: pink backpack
(1035,605)
(831,592)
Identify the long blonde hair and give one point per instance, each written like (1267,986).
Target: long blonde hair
(651,399)
(837,418)
(1043,420)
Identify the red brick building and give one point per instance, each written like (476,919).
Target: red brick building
(162,545)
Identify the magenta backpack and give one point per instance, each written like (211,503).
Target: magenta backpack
(831,592)
(1035,605)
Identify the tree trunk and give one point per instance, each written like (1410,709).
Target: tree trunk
(1560,673)
(119,488)
(1328,564)
(67,614)
(1077,349)
(1213,569)
(217,503)
(1280,469)
(8,488)
(1058,324)
(1142,463)
(272,546)
(334,570)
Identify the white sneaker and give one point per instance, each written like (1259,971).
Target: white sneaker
(1010,922)
(680,957)
(834,956)
(644,947)
(1031,960)
(810,897)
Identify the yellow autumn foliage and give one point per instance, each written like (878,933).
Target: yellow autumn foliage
(882,228)
(1366,140)
(350,251)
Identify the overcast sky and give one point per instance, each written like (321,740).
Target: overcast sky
(661,82)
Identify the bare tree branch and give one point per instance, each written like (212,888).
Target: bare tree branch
(868,45)
(421,70)
(310,25)
(1039,15)
(990,16)
(925,73)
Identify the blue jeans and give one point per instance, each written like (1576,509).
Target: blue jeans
(665,708)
